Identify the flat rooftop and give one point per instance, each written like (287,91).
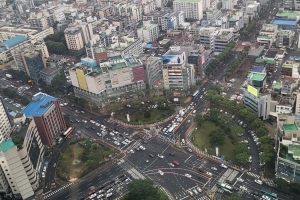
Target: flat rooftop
(284,22)
(277,85)
(175,53)
(39,105)
(257,76)
(295,149)
(289,14)
(258,69)
(290,127)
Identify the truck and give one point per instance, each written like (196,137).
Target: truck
(8,75)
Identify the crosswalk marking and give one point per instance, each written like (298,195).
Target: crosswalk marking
(166,139)
(269,182)
(58,190)
(254,175)
(131,170)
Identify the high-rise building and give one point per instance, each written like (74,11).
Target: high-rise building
(191,8)
(77,36)
(38,20)
(14,171)
(33,62)
(5,123)
(48,117)
(149,32)
(177,74)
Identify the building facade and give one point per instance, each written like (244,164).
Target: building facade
(153,66)
(149,32)
(46,112)
(191,8)
(5,123)
(14,171)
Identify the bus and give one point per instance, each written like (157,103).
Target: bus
(268,194)
(68,132)
(196,94)
(225,187)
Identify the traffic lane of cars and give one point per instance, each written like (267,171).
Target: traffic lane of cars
(83,188)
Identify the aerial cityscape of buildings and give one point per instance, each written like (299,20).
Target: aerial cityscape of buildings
(102,52)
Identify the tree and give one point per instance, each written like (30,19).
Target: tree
(199,120)
(170,4)
(140,189)
(281,184)
(235,130)
(217,137)
(234,196)
(241,153)
(147,114)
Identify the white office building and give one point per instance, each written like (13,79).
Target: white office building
(227,4)
(149,32)
(191,8)
(177,74)
(5,123)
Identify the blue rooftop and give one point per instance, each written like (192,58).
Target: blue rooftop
(39,105)
(284,22)
(258,69)
(15,40)
(148,46)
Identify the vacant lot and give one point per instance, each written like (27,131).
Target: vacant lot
(202,141)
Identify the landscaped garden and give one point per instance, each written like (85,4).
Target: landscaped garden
(147,112)
(81,157)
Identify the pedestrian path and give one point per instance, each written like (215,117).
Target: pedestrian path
(202,197)
(49,194)
(133,146)
(166,139)
(254,175)
(269,182)
(180,195)
(131,170)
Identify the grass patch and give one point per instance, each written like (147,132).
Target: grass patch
(138,117)
(80,158)
(201,139)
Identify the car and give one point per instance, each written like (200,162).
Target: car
(188,175)
(223,166)
(87,127)
(209,174)
(99,134)
(151,155)
(43,174)
(171,154)
(160,156)
(111,133)
(258,181)
(242,187)
(175,162)
(171,164)
(131,151)
(194,111)
(143,148)
(160,172)
(240,179)
(214,168)
(146,161)
(93,128)
(190,193)
(44,169)
(99,196)
(109,194)
(54,165)
(109,190)
(190,150)
(195,192)
(199,189)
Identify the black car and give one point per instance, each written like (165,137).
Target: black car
(87,127)
(71,121)
(171,154)
(93,128)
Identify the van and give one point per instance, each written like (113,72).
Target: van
(175,162)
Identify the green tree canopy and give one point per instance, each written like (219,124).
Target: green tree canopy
(140,189)
(217,137)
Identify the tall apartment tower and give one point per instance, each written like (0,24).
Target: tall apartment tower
(47,115)
(77,36)
(192,9)
(14,171)
(5,123)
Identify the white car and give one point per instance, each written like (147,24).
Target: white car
(224,166)
(131,151)
(110,190)
(214,168)
(161,156)
(199,189)
(188,175)
(171,164)
(99,134)
(190,150)
(111,133)
(240,179)
(92,121)
(160,172)
(143,148)
(109,194)
(209,174)
(43,175)
(243,188)
(195,192)
(258,182)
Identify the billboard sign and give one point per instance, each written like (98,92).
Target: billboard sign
(252,90)
(174,59)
